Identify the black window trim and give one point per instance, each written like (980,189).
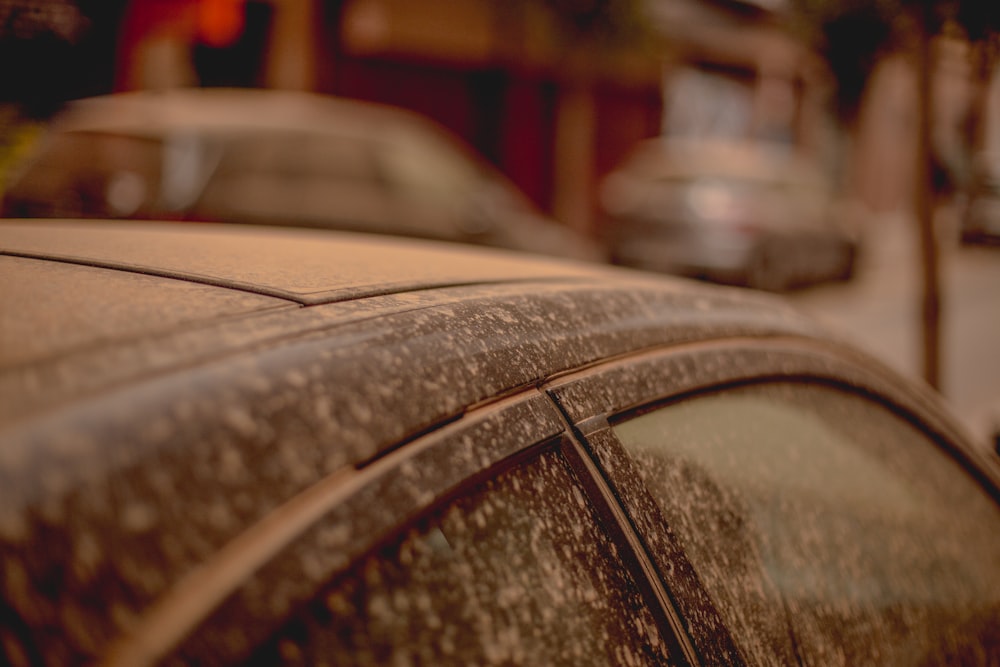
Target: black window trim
(621,531)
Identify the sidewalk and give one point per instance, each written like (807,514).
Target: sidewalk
(880,310)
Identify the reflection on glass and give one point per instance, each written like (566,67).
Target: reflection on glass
(826,527)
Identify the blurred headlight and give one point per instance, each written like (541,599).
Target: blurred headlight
(125,193)
(711,201)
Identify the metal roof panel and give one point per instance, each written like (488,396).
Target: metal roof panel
(306,266)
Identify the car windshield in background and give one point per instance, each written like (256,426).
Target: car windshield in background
(90,174)
(732,212)
(206,173)
(296,160)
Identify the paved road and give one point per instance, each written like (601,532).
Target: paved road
(880,309)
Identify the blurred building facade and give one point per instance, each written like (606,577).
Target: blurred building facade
(554,110)
(173,43)
(494,73)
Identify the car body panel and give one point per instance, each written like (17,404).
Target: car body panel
(65,307)
(414,283)
(271,445)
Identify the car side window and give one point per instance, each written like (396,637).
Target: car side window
(92,174)
(516,571)
(293,176)
(423,166)
(826,528)
(293,156)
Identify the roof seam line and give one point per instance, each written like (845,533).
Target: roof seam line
(160,273)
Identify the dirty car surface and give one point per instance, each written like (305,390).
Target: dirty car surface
(227,445)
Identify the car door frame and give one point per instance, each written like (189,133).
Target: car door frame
(356,511)
(593,398)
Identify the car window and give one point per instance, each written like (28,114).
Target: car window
(516,571)
(287,177)
(90,174)
(421,165)
(298,155)
(826,528)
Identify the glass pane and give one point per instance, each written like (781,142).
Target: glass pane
(825,527)
(298,155)
(294,178)
(92,174)
(424,166)
(518,572)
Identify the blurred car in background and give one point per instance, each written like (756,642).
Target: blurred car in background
(731,212)
(277,157)
(227,445)
(981,219)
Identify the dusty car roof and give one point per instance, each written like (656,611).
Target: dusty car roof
(90,306)
(75,292)
(305,266)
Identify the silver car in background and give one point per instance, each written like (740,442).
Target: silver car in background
(737,213)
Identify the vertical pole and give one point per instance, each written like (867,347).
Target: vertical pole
(576,123)
(931,290)
(291,55)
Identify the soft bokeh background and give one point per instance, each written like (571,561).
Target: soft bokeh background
(895,103)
